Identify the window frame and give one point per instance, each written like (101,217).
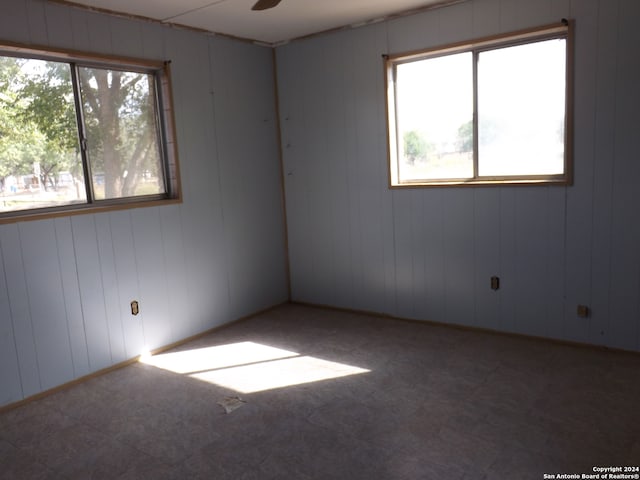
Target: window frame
(165,129)
(564,29)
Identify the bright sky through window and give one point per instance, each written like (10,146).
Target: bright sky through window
(490,111)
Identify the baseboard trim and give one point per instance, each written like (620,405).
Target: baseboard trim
(557,341)
(126,363)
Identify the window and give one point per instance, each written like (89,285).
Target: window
(491,111)
(81,133)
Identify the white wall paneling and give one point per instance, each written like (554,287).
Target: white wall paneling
(604,151)
(46,302)
(579,204)
(14,19)
(66,284)
(36,19)
(85,240)
(72,300)
(152,284)
(16,289)
(552,247)
(427,254)
(244,129)
(112,301)
(486,255)
(58,25)
(295,174)
(128,285)
(9,367)
(624,290)
(174,258)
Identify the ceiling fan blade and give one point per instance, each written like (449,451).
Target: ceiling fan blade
(265,4)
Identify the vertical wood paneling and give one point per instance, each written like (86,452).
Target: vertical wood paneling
(508,257)
(509,18)
(80,28)
(625,262)
(352,242)
(413,32)
(112,299)
(153,41)
(252,175)
(16,286)
(458,225)
(38,33)
(419,231)
(354,234)
(384,209)
(147,238)
(58,26)
(403,253)
(561,9)
(361,210)
(529,13)
(91,291)
(11,390)
(203,221)
(434,263)
(604,153)
(67,283)
(372,155)
(126,268)
(390,302)
(295,171)
(72,301)
(316,114)
(456,23)
(556,283)
(532,260)
(487,256)
(553,247)
(289,109)
(176,271)
(486,17)
(579,219)
(99,33)
(13,20)
(128,40)
(338,51)
(46,302)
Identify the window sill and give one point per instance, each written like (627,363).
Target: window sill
(83,209)
(482,183)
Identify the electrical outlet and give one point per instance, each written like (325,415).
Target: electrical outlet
(135,307)
(583,311)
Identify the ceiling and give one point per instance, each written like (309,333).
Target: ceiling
(289,20)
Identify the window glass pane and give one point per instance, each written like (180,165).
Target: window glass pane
(521,109)
(40,162)
(123,146)
(434,101)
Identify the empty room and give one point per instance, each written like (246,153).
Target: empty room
(296,239)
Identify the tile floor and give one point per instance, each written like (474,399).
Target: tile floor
(436,403)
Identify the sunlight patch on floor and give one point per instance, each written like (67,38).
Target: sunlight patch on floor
(249,367)
(277,374)
(213,358)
